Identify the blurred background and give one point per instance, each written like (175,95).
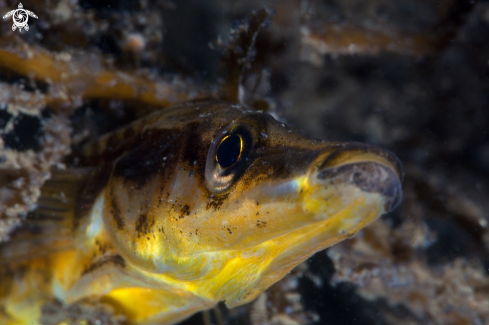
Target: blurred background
(408,75)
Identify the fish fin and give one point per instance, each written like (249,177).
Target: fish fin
(50,227)
(111,145)
(118,283)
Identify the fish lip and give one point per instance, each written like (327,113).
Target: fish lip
(370,168)
(370,177)
(361,152)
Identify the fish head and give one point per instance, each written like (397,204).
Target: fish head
(239,199)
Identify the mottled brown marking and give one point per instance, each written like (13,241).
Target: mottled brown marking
(184,212)
(159,150)
(102,248)
(216,201)
(261,224)
(115,259)
(196,151)
(145,160)
(143,226)
(115,211)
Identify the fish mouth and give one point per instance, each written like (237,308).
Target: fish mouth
(350,187)
(347,189)
(368,168)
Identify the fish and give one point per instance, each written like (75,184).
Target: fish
(193,205)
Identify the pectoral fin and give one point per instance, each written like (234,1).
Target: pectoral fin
(141,300)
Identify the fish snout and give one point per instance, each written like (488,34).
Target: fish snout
(369,168)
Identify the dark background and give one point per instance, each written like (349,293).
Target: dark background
(408,75)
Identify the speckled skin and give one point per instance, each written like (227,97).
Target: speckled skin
(155,226)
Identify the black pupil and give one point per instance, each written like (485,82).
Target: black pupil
(229,150)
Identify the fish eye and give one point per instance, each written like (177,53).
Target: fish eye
(229,156)
(229,150)
(233,150)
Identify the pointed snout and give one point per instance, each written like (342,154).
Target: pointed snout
(370,168)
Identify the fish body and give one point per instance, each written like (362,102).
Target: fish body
(189,206)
